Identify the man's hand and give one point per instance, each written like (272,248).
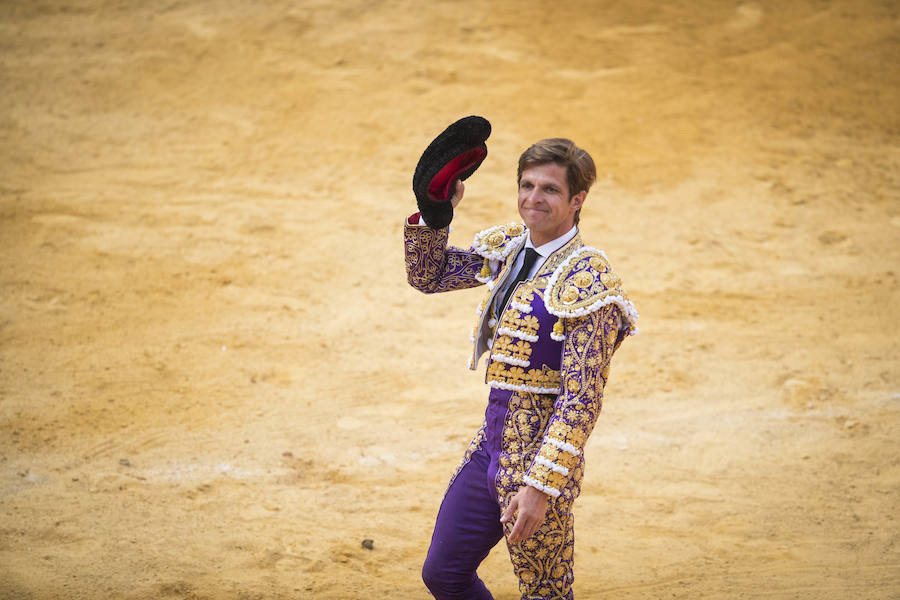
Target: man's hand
(458,193)
(531,504)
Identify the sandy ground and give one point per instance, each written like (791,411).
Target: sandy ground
(215,382)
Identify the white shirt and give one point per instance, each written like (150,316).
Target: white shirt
(544,251)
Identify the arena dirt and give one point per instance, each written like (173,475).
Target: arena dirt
(215,382)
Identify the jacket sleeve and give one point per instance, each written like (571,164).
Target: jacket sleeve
(432,266)
(590,341)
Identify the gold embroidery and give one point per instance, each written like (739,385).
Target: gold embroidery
(598,263)
(537,559)
(497,242)
(527,324)
(494,240)
(559,456)
(544,378)
(515,229)
(569,296)
(610,279)
(583,279)
(566,433)
(517,349)
(611,336)
(524,295)
(432,266)
(547,476)
(582,284)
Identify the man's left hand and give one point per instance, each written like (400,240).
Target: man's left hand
(531,504)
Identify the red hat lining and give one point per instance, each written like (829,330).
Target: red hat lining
(439,188)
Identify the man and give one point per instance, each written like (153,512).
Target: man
(553,316)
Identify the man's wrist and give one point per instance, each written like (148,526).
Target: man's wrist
(535,491)
(541,487)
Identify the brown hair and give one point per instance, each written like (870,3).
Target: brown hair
(580,170)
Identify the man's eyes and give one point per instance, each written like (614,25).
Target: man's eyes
(550,189)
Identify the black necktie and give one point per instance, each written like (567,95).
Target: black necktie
(531,256)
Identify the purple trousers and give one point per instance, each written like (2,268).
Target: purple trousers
(468,522)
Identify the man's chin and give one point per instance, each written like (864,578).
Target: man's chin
(532,219)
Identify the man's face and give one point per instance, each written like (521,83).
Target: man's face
(544,202)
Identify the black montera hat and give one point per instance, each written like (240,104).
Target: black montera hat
(451,157)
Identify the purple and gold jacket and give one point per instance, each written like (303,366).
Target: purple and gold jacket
(551,347)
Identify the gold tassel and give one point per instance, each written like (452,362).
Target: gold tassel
(558,327)
(485,269)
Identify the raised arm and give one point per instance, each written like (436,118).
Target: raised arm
(432,266)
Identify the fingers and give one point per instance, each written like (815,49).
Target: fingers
(517,534)
(523,529)
(531,506)
(460,190)
(510,510)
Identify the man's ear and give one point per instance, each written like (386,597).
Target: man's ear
(577,201)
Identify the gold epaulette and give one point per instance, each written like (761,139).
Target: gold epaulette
(584,283)
(496,243)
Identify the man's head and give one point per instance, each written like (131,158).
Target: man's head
(554,177)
